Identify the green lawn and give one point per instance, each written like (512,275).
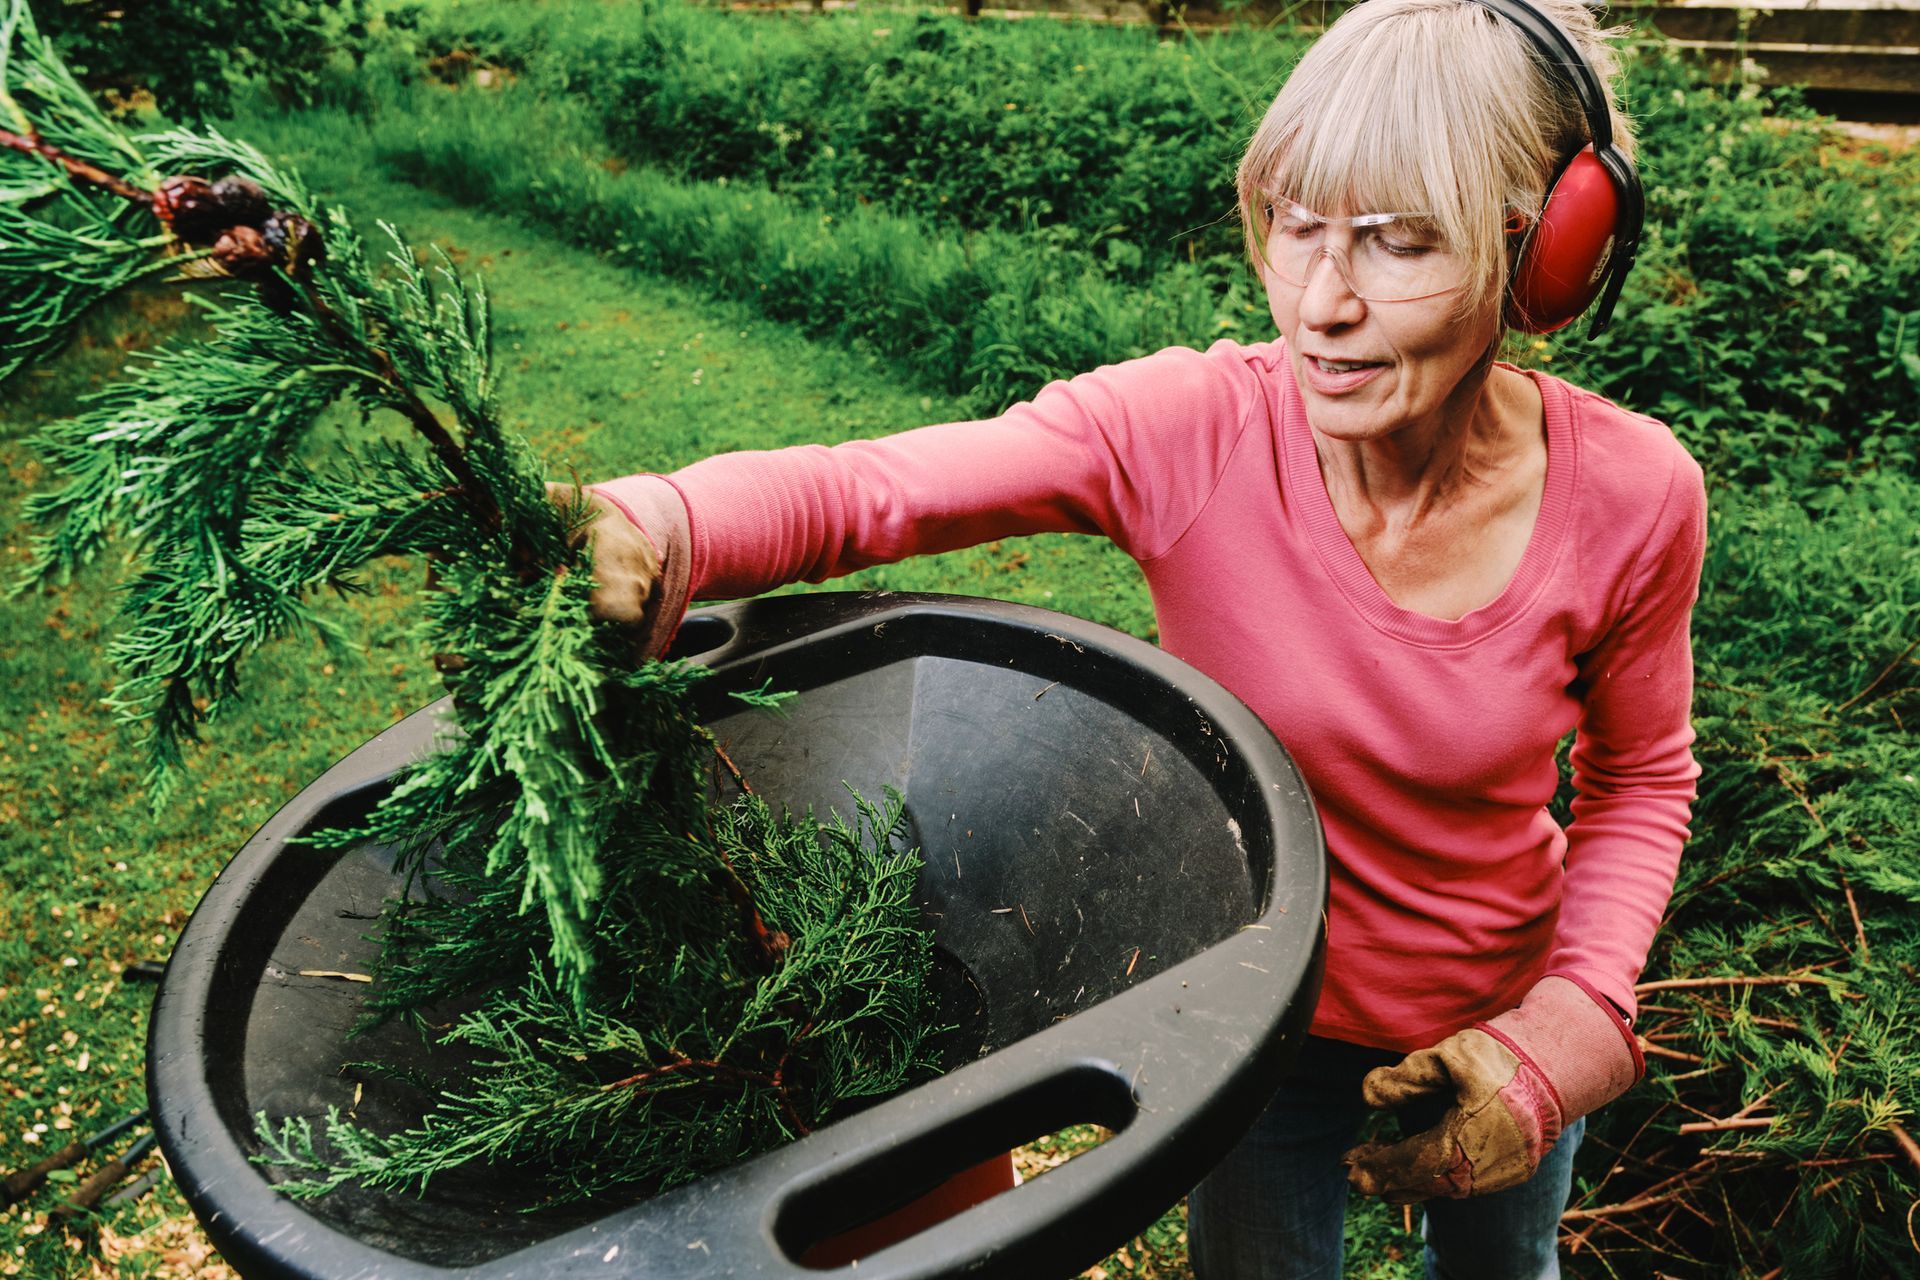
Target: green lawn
(607,373)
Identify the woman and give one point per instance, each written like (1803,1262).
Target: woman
(1423,567)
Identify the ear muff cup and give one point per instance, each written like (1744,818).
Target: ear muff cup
(1562,262)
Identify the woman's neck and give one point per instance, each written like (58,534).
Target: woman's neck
(1475,440)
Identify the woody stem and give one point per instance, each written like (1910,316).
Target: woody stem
(33,144)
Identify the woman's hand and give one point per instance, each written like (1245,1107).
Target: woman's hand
(626,564)
(1516,1081)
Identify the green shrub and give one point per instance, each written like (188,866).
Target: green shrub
(1772,317)
(191,55)
(1125,138)
(1801,862)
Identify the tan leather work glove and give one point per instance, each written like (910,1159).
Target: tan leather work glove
(1516,1082)
(640,550)
(626,564)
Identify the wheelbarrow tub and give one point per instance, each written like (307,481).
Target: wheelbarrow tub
(1123,871)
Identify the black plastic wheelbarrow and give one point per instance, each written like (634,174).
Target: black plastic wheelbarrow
(1122,865)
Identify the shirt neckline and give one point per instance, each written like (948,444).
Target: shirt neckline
(1356,581)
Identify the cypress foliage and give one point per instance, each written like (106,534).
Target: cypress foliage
(667,979)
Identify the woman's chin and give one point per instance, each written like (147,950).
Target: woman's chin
(1352,418)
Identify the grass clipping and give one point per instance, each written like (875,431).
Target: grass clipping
(658,978)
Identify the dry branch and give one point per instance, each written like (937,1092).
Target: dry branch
(1731,1122)
(1736,980)
(1907,1144)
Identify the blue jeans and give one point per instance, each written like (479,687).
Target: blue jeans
(1275,1208)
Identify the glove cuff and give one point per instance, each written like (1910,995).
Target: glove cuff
(1622,1020)
(1576,1043)
(654,507)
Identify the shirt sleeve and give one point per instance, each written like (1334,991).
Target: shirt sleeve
(1633,767)
(1129,451)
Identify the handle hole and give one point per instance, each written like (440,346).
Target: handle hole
(1049,1151)
(699,635)
(901,1192)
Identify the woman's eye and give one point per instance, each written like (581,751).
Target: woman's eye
(1399,248)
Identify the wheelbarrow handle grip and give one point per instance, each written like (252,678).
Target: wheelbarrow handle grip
(18,1186)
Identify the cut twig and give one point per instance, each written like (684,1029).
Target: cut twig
(1736,980)
(1853,909)
(1624,1153)
(425,421)
(1885,671)
(1707,1070)
(1869,1158)
(1731,1122)
(1792,784)
(1907,1144)
(34,144)
(732,768)
(1756,1104)
(1673,1055)
(1634,1205)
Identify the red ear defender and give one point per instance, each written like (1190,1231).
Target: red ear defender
(1563,261)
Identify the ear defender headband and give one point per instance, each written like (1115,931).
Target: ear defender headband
(1584,241)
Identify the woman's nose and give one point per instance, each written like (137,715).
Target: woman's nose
(1328,299)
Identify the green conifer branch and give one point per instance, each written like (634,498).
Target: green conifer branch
(665,980)
(687,1057)
(66,238)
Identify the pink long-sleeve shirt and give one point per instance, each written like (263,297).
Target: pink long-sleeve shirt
(1428,744)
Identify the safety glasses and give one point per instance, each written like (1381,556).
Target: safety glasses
(1382,257)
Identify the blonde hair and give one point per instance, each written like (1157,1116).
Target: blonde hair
(1427,106)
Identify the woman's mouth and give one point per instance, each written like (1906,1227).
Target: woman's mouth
(1333,377)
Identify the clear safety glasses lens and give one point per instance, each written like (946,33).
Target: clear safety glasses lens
(1383,257)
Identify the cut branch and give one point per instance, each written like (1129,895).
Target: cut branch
(739,778)
(1761,980)
(769,945)
(416,411)
(1859,929)
(1906,1142)
(1630,1206)
(424,420)
(34,144)
(689,1064)
(1731,1122)
(1674,1055)
(1880,679)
